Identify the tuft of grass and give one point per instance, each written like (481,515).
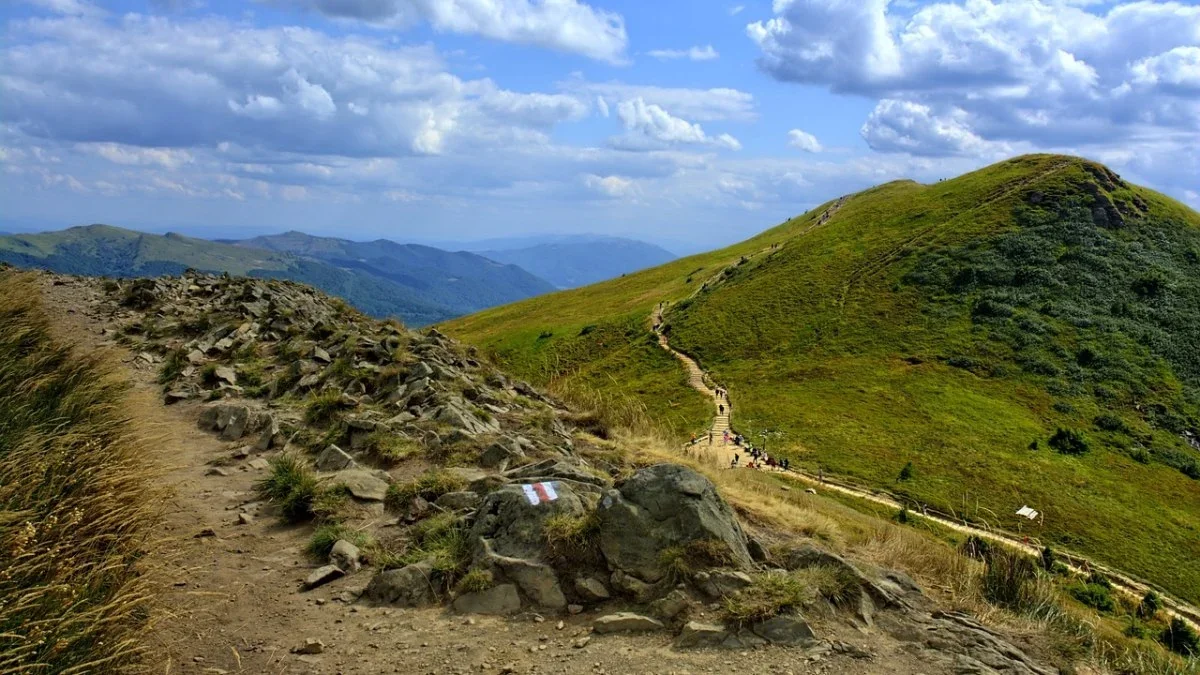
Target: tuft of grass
(769,595)
(291,485)
(322,408)
(78,501)
(429,486)
(325,536)
(474,581)
(442,540)
(573,538)
(172,366)
(391,448)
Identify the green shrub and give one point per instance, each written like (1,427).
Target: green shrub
(208,375)
(1180,638)
(1048,559)
(325,536)
(1111,423)
(429,486)
(1093,595)
(1149,605)
(907,472)
(291,485)
(1069,442)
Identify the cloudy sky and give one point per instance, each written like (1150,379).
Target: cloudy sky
(691,123)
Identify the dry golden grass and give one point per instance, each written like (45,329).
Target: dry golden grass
(77,501)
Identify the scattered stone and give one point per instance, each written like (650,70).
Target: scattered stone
(217,471)
(581,642)
(245,519)
(322,576)
(409,586)
(333,458)
(362,485)
(459,501)
(259,463)
(574,609)
(226,374)
(625,622)
(696,634)
(346,556)
(195,357)
(321,356)
(205,533)
(671,606)
(590,588)
(720,583)
(785,629)
(311,646)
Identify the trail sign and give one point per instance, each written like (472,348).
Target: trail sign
(537,493)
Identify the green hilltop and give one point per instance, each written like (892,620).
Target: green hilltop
(1025,334)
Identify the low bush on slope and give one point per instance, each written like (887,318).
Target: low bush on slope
(75,506)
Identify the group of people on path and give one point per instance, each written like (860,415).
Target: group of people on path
(759,459)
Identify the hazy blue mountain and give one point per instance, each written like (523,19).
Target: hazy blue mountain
(466,282)
(568,262)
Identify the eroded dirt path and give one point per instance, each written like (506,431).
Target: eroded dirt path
(723,454)
(230,574)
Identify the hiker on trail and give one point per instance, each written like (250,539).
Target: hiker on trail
(693,438)
(771,462)
(787,463)
(721,409)
(725,438)
(710,437)
(734,463)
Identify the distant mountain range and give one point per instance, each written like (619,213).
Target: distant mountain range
(568,262)
(418,284)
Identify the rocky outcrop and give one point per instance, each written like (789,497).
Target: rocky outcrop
(410,586)
(662,507)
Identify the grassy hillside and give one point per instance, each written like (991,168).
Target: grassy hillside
(78,502)
(957,326)
(102,250)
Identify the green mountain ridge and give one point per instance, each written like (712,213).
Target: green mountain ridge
(958,326)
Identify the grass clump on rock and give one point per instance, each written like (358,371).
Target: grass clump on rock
(574,538)
(429,486)
(442,541)
(325,536)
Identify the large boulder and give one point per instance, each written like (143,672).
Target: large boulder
(333,458)
(508,538)
(662,507)
(502,599)
(410,586)
(232,420)
(362,485)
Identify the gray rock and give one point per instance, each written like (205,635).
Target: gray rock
(230,419)
(538,581)
(259,463)
(502,599)
(625,622)
(459,501)
(661,507)
(226,374)
(696,634)
(334,458)
(785,629)
(320,355)
(271,436)
(311,646)
(346,556)
(591,589)
(195,357)
(418,386)
(720,583)
(670,606)
(499,454)
(420,371)
(632,586)
(512,527)
(758,552)
(362,484)
(551,469)
(410,586)
(322,576)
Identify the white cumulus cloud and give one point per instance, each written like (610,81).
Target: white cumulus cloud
(657,124)
(705,53)
(802,140)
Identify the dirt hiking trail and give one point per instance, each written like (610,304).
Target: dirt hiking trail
(229,574)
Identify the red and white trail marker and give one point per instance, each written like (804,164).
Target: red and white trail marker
(537,493)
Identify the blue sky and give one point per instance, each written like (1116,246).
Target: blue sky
(690,124)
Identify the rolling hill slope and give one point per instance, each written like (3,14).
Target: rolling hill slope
(958,326)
